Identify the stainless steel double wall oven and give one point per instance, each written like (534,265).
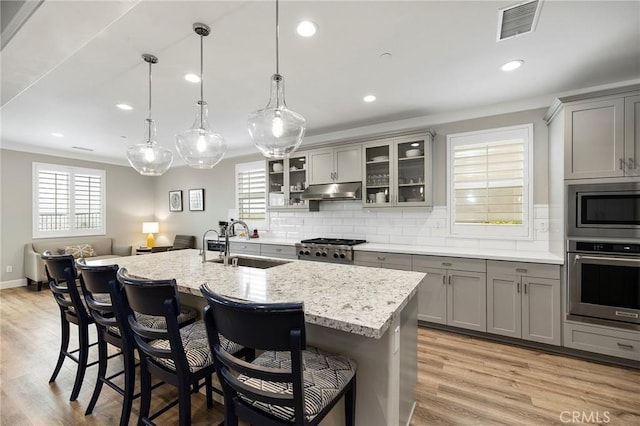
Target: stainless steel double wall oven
(603,253)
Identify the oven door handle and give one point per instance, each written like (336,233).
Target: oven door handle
(601,260)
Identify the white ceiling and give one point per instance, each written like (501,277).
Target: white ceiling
(72,61)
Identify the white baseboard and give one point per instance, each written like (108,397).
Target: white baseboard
(13,283)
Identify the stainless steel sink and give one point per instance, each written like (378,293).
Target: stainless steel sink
(251,262)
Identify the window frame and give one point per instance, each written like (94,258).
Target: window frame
(37,167)
(493,231)
(245,167)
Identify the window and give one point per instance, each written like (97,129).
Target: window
(67,201)
(489,187)
(251,202)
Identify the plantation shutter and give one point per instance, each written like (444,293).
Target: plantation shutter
(489,182)
(251,190)
(54,200)
(67,201)
(88,201)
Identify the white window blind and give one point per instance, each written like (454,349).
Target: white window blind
(489,184)
(68,201)
(251,192)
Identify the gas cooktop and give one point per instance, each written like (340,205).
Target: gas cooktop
(333,241)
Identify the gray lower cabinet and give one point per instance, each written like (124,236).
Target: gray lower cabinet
(238,247)
(278,250)
(454,291)
(602,340)
(382,260)
(523,301)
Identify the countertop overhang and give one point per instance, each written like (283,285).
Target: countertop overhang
(354,299)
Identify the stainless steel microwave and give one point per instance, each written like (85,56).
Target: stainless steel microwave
(604,210)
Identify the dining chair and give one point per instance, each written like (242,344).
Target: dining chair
(289,383)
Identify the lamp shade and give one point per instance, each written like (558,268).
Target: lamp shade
(150,227)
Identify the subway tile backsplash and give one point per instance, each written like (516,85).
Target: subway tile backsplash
(410,226)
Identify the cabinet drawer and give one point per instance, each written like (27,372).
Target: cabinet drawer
(602,340)
(386,260)
(247,248)
(456,263)
(278,250)
(539,270)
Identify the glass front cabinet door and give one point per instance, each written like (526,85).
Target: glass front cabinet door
(287,181)
(398,172)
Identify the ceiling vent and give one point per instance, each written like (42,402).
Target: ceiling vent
(519,19)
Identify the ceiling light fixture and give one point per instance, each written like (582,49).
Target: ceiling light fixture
(192,78)
(199,146)
(276,130)
(306,28)
(512,65)
(124,107)
(57,135)
(369,98)
(148,158)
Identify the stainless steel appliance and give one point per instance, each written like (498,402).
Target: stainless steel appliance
(335,250)
(604,282)
(604,210)
(216,245)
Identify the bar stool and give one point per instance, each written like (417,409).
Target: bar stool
(288,384)
(62,275)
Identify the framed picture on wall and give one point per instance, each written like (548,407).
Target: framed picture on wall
(196,199)
(175,201)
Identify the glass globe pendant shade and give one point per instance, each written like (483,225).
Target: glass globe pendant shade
(149,159)
(276,130)
(199,146)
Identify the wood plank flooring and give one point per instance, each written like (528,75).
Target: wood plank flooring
(461,380)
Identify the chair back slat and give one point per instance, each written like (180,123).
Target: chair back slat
(60,269)
(156,298)
(95,281)
(256,325)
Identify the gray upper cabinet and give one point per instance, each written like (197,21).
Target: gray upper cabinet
(602,138)
(398,172)
(454,291)
(523,301)
(632,135)
(337,164)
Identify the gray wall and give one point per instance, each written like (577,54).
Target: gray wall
(130,201)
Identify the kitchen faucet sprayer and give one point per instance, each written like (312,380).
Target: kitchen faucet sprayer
(203,253)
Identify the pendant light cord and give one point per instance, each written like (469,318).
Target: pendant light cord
(149,119)
(277,39)
(201,81)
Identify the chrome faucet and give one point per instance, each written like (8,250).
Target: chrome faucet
(226,237)
(204,248)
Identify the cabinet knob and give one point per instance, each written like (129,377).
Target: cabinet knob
(621,166)
(625,346)
(521,270)
(446,263)
(632,163)
(381,257)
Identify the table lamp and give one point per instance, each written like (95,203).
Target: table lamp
(150,228)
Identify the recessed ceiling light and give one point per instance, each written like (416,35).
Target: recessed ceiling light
(57,135)
(125,107)
(369,98)
(510,66)
(192,78)
(306,28)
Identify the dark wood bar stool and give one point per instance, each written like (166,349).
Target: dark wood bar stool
(62,275)
(178,356)
(288,384)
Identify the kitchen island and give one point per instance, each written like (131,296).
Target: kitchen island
(368,314)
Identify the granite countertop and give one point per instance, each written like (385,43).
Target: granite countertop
(473,253)
(355,299)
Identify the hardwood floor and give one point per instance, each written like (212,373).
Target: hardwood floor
(461,380)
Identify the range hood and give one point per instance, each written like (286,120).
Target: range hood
(333,192)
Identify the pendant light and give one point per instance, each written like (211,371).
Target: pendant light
(199,146)
(148,158)
(276,130)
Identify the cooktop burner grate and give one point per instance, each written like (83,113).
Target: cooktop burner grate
(333,241)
